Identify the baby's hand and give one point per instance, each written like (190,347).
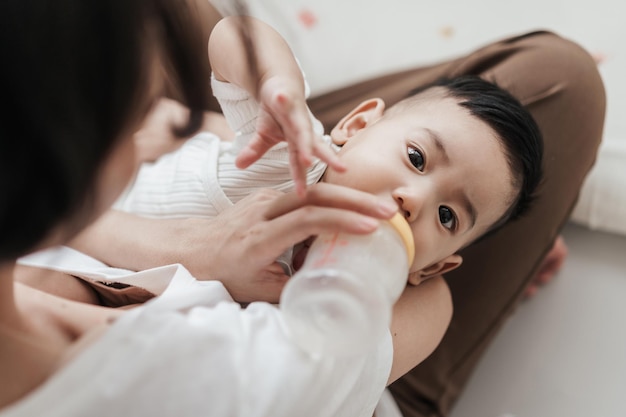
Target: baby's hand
(285,117)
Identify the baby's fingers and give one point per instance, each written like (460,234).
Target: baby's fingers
(255,149)
(326,154)
(295,123)
(298,171)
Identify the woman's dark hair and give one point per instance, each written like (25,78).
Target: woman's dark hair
(73,74)
(515,127)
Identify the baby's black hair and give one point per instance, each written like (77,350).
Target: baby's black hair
(515,127)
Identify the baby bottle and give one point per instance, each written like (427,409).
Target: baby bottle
(340,301)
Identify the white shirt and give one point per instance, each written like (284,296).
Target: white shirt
(200,179)
(194,352)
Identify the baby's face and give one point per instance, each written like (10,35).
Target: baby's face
(444,168)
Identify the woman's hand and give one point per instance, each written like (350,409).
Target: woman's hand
(239,246)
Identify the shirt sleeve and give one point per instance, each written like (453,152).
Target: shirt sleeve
(229,361)
(193,352)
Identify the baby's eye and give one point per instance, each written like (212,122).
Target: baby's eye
(447,218)
(416,158)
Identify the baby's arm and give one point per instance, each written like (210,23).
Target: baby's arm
(277,83)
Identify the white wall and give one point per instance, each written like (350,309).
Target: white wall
(359,38)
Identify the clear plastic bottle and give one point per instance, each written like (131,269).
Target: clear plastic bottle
(340,301)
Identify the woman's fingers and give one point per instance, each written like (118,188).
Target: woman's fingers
(329,195)
(326,154)
(296,226)
(324,208)
(247,238)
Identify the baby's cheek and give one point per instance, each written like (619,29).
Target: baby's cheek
(363,174)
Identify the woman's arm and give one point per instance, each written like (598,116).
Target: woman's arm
(240,245)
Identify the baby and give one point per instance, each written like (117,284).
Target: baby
(459,158)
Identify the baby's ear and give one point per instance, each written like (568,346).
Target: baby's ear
(447,264)
(361,116)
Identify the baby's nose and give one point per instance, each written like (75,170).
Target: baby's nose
(406,213)
(409,206)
